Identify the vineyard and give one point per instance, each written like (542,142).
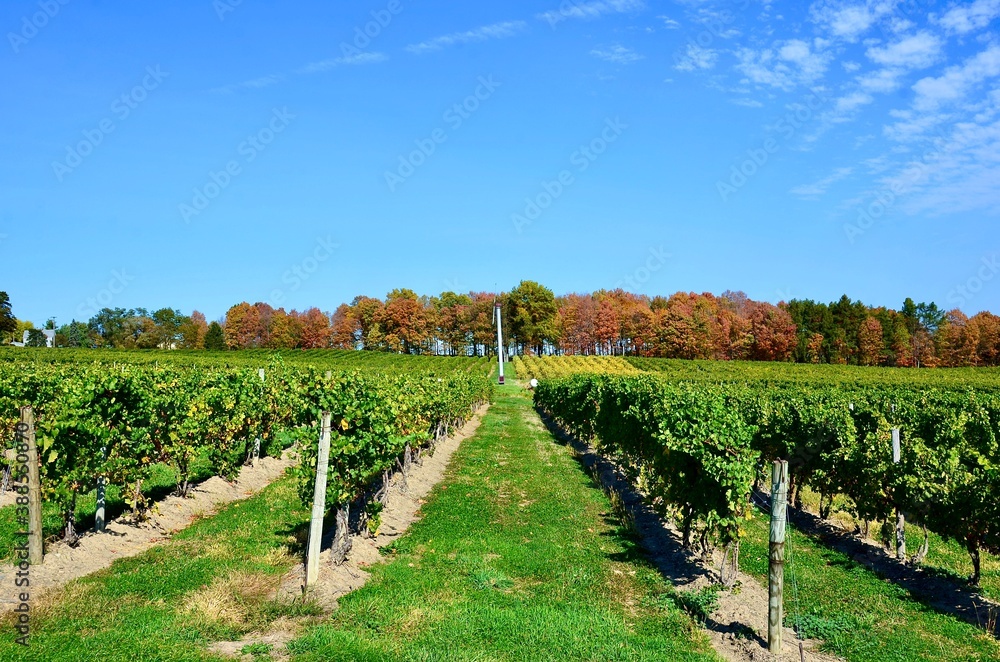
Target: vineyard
(699,440)
(696,439)
(551,367)
(121,421)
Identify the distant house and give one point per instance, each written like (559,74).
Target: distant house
(50,338)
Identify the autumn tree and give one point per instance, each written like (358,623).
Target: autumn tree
(193,330)
(369,311)
(988,329)
(957,340)
(773,333)
(870,342)
(314,329)
(345,329)
(244,328)
(403,321)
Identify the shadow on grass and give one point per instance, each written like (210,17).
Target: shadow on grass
(646,540)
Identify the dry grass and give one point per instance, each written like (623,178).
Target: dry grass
(229,601)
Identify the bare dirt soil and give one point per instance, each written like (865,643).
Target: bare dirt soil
(404,499)
(125,538)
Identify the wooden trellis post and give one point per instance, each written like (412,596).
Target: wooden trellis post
(26,428)
(319,503)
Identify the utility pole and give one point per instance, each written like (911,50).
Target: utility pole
(499,341)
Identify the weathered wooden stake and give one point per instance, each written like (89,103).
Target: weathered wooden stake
(319,503)
(776,572)
(897,457)
(35,551)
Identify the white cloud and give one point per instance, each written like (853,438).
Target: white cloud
(848,21)
(957,172)
(914,52)
(851,102)
(349,60)
(821,187)
(748,103)
(670,23)
(910,125)
(254,84)
(696,58)
(794,63)
(495,31)
(590,10)
(956,82)
(881,81)
(850,67)
(616,54)
(965,18)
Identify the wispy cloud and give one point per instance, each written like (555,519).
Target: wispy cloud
(669,23)
(617,54)
(590,10)
(957,81)
(696,57)
(254,84)
(784,66)
(850,20)
(917,51)
(485,33)
(819,188)
(967,18)
(349,60)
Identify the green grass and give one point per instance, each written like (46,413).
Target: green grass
(861,616)
(139,608)
(946,557)
(518,557)
(162,481)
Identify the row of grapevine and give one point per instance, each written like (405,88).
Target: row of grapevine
(115,421)
(329,359)
(550,367)
(698,445)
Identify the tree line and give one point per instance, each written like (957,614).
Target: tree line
(685,325)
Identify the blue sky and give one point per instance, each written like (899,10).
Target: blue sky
(202,153)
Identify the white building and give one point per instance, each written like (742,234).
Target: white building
(50,338)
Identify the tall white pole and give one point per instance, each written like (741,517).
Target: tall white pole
(499,342)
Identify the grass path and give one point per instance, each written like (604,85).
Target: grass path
(517,558)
